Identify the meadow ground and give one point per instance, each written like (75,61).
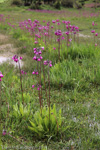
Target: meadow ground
(74,78)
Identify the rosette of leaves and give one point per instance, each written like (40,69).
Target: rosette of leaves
(42,126)
(21,112)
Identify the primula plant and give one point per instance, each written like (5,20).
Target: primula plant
(17,60)
(42,127)
(21,112)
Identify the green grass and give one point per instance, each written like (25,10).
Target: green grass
(1,1)
(74,83)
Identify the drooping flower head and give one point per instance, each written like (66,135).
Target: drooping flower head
(16,59)
(67,33)
(1,76)
(4,132)
(93,31)
(35,72)
(38,87)
(38,52)
(47,62)
(96,34)
(53,21)
(54,48)
(93,23)
(22,72)
(58,33)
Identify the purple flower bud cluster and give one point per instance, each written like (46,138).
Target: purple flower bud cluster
(4,132)
(93,31)
(47,62)
(58,33)
(38,87)
(53,21)
(22,72)
(38,52)
(16,59)
(35,72)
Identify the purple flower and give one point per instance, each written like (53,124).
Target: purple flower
(58,33)
(67,26)
(70,40)
(57,20)
(70,26)
(42,48)
(95,44)
(22,72)
(53,21)
(54,48)
(36,73)
(96,34)
(58,39)
(41,57)
(63,21)
(93,23)
(63,37)
(50,65)
(38,88)
(40,52)
(34,58)
(74,32)
(34,49)
(38,59)
(1,76)
(47,62)
(93,31)
(33,86)
(21,58)
(46,33)
(15,58)
(35,42)
(33,72)
(4,132)
(58,23)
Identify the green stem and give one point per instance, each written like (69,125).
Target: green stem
(0,118)
(45,83)
(21,83)
(49,94)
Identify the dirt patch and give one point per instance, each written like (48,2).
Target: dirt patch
(3,37)
(7,50)
(82,35)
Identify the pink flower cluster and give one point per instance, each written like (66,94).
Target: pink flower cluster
(16,59)
(38,52)
(22,72)
(47,62)
(35,72)
(58,33)
(1,76)
(93,31)
(38,87)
